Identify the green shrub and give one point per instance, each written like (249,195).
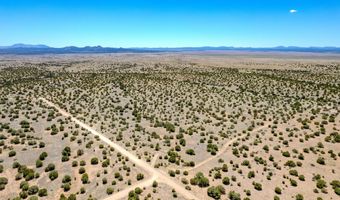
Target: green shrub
(293,182)
(140,176)
(336,186)
(85,178)
(50,167)
(251,174)
(320,183)
(32,190)
(321,161)
(293,172)
(286,154)
(278,190)
(42,192)
(234,195)
(138,190)
(257,186)
(66,179)
(94,161)
(3,181)
(38,163)
(43,155)
(12,153)
(200,180)
(190,152)
(226,181)
(81,170)
(299,197)
(216,192)
(66,187)
(154,184)
(53,175)
(109,190)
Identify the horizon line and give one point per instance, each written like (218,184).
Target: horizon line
(26,45)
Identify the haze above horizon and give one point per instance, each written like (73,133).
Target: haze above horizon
(171,23)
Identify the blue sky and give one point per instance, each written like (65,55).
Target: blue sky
(170,23)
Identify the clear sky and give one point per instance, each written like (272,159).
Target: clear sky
(170,23)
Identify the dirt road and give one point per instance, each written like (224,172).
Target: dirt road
(126,191)
(225,148)
(161,177)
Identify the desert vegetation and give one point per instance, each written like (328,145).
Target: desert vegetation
(224,128)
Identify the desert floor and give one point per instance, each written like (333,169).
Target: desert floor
(194,125)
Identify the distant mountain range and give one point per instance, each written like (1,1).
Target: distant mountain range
(44,49)
(20,45)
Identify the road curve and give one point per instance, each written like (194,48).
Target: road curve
(162,177)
